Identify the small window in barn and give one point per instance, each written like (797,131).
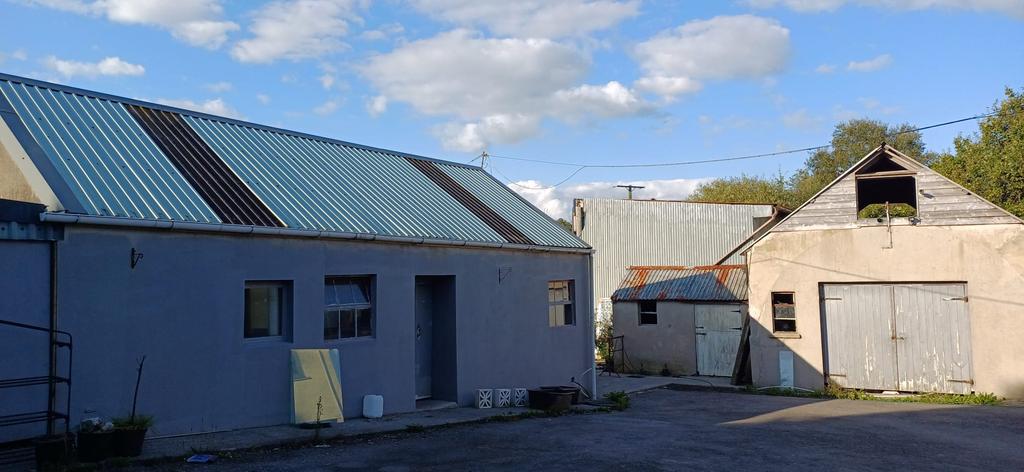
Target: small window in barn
(348,307)
(268,309)
(783,312)
(877,192)
(648,312)
(561,311)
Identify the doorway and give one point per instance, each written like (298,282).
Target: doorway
(718,329)
(434,338)
(904,337)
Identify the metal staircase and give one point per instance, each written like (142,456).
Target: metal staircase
(20,450)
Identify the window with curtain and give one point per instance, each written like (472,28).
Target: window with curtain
(268,309)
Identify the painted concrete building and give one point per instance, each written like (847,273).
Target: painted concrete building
(214,247)
(687,320)
(843,292)
(628,233)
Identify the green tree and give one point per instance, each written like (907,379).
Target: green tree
(991,162)
(744,189)
(851,141)
(566,225)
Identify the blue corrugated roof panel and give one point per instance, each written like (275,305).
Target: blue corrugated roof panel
(534,224)
(327,186)
(115,168)
(104,156)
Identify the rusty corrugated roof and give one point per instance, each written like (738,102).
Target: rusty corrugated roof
(726,283)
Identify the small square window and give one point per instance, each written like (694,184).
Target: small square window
(783,312)
(648,312)
(561,296)
(348,307)
(268,309)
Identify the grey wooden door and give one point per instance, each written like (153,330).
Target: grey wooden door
(718,337)
(424,338)
(906,337)
(859,327)
(933,338)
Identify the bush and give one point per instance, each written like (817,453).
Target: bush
(620,399)
(139,422)
(896,210)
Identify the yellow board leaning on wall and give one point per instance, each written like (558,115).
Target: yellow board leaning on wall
(316,384)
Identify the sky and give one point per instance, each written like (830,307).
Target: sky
(568,81)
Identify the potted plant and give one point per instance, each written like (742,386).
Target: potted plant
(130,431)
(95,437)
(52,451)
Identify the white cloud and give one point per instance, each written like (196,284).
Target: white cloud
(825,69)
(532,18)
(493,129)
(605,101)
(263,98)
(557,202)
(295,30)
(873,104)
(496,90)
(384,32)
(723,47)
(1011,7)
(870,65)
(801,119)
(219,87)
(376,106)
(326,80)
(214,106)
(196,22)
(327,108)
(109,66)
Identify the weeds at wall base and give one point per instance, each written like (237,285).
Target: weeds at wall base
(837,393)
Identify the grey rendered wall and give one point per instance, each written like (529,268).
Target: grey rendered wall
(182,306)
(24,298)
(671,343)
(645,232)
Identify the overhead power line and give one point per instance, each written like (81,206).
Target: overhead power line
(580,166)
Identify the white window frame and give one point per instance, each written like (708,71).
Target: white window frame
(556,317)
(338,308)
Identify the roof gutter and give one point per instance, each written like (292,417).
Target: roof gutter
(68,218)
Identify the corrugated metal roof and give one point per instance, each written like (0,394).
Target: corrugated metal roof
(534,224)
(104,156)
(651,232)
(115,169)
(726,283)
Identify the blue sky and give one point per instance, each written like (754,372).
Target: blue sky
(595,81)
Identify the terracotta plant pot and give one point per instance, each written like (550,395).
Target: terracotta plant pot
(95,447)
(128,441)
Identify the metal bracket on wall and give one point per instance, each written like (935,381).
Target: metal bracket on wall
(503,272)
(136,256)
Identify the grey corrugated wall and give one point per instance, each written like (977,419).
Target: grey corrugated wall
(651,232)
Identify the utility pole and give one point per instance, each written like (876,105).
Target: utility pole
(630,188)
(483,158)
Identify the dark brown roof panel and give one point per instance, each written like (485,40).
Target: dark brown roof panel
(229,197)
(471,202)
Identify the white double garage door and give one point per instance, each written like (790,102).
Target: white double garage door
(905,337)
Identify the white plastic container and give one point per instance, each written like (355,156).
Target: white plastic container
(373,406)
